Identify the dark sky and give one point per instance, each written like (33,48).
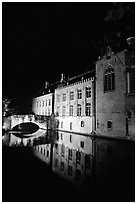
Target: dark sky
(42,40)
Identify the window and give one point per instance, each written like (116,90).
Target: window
(61,136)
(46,102)
(109,124)
(47,153)
(78,157)
(61,124)
(58,98)
(88,92)
(56,162)
(43,103)
(70,138)
(62,166)
(82,144)
(78,174)
(109,80)
(64,97)
(70,170)
(70,153)
(129,114)
(58,111)
(79,110)
(64,111)
(82,123)
(70,125)
(37,104)
(40,103)
(71,95)
(79,93)
(87,161)
(88,109)
(131,80)
(71,110)
(49,102)
(62,150)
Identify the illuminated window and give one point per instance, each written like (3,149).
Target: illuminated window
(88,92)
(71,95)
(79,110)
(79,93)
(88,109)
(109,80)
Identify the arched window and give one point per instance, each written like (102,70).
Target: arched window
(109,79)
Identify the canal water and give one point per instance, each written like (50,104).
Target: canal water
(60,166)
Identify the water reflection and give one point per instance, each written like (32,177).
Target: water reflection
(91,163)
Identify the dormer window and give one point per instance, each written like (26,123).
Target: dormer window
(109,79)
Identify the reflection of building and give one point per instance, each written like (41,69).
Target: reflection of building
(73,157)
(43,152)
(115,94)
(74,106)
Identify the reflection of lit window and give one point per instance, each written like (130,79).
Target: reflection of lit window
(70,170)
(70,153)
(62,166)
(87,161)
(47,153)
(56,162)
(78,157)
(78,174)
(62,150)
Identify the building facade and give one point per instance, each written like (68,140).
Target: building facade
(115,94)
(74,106)
(43,105)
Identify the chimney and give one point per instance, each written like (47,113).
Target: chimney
(46,84)
(62,77)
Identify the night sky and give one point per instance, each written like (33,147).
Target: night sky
(42,40)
